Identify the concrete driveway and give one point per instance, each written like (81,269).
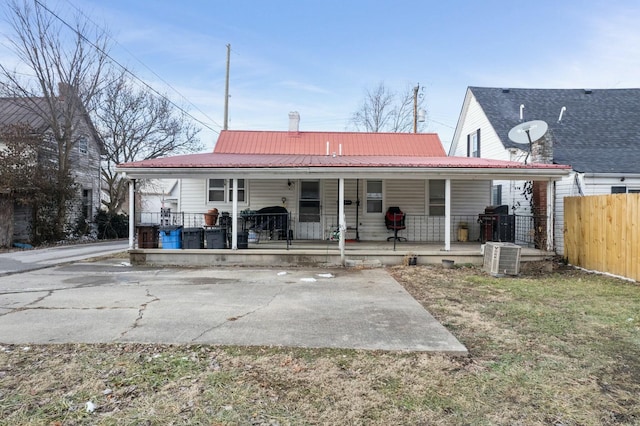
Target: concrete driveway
(30,260)
(111,301)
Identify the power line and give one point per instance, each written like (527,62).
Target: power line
(125,69)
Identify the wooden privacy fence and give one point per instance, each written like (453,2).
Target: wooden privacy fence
(602,233)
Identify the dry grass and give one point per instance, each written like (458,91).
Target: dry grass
(560,348)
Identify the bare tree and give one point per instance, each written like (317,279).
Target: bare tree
(64,68)
(136,124)
(385,111)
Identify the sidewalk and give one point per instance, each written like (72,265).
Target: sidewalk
(31,260)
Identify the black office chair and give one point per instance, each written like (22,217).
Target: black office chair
(394,220)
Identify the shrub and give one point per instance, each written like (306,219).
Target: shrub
(112,225)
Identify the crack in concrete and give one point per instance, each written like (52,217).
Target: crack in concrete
(26,306)
(141,311)
(236,318)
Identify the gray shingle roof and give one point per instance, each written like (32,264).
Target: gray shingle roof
(21,111)
(599,131)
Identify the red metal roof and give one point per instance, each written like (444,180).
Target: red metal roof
(323,143)
(216,160)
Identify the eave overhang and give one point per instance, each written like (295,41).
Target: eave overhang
(516,172)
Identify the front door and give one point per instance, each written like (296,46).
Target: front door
(309,225)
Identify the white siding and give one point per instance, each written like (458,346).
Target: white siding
(469,198)
(568,187)
(193,196)
(490,145)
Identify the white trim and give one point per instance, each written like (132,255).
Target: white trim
(447,215)
(132,213)
(234,216)
(341,219)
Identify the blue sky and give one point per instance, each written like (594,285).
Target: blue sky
(319,57)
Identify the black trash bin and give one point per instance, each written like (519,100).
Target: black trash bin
(216,238)
(243,239)
(192,238)
(147,235)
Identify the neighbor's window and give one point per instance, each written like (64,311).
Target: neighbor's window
(473,144)
(221,191)
(83,145)
(624,190)
(436,198)
(87,204)
(374,196)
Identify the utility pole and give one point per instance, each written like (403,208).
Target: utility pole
(226,91)
(415,108)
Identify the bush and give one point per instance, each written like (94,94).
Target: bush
(112,225)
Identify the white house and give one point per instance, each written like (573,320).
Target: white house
(597,132)
(340,180)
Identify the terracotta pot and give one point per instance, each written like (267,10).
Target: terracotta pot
(211,217)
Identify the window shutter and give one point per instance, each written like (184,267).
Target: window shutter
(468,145)
(479,143)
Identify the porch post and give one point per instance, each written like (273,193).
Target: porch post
(341,219)
(447,215)
(550,215)
(132,213)
(234,216)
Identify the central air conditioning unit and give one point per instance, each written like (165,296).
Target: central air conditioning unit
(502,259)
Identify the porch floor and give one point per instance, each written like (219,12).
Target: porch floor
(324,253)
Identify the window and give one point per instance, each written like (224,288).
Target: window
(83,145)
(473,144)
(221,191)
(496,195)
(436,197)
(216,190)
(374,196)
(241,198)
(87,204)
(624,190)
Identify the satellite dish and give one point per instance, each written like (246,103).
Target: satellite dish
(527,132)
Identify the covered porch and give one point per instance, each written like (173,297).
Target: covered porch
(346,205)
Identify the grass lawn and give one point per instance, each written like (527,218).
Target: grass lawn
(546,348)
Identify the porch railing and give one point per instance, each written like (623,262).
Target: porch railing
(528,231)
(265,227)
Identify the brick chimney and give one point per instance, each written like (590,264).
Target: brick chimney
(542,150)
(294,122)
(541,153)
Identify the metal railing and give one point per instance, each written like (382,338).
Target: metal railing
(529,231)
(260,227)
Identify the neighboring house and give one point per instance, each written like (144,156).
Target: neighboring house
(596,131)
(157,195)
(85,160)
(323,177)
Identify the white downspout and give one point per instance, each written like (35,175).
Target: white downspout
(234,216)
(447,215)
(341,219)
(132,213)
